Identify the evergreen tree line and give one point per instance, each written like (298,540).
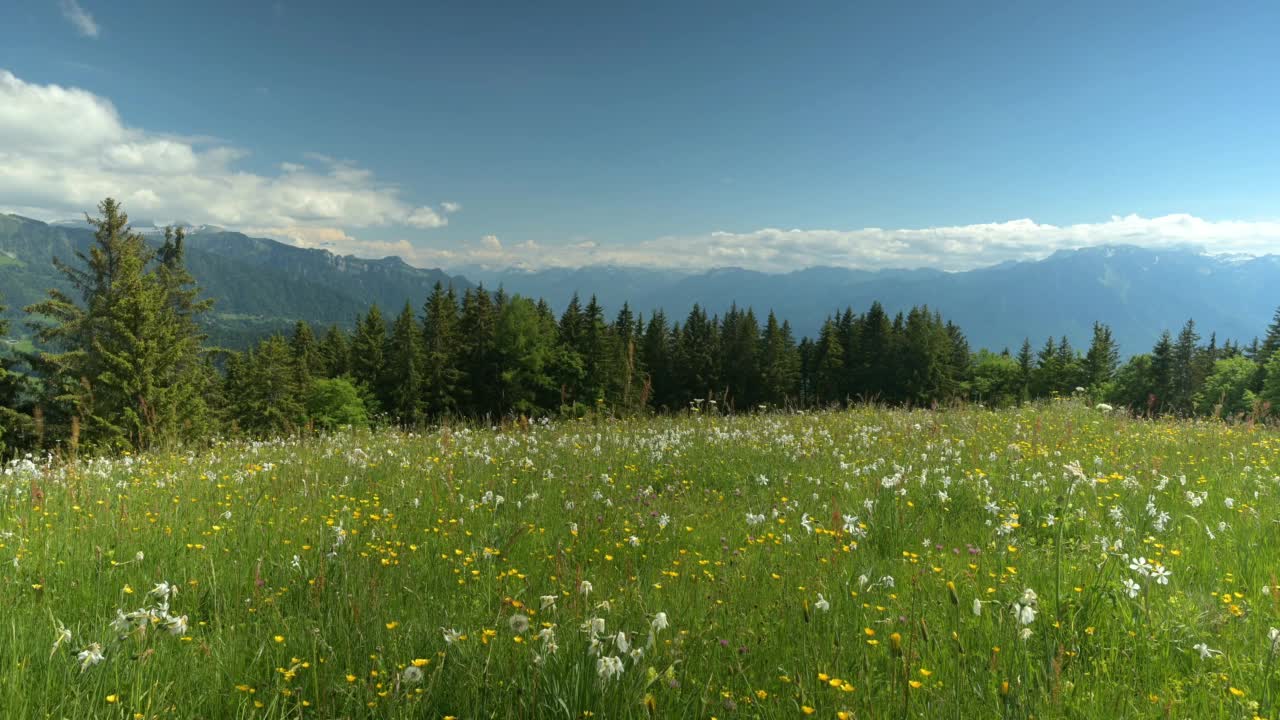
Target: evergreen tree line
(129,368)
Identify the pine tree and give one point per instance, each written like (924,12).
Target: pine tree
(335,353)
(740,341)
(572,366)
(1182,381)
(524,344)
(440,342)
(626,332)
(130,364)
(1162,373)
(779,363)
(368,357)
(959,362)
(306,353)
(1271,341)
(1263,353)
(656,357)
(1046,378)
(829,367)
(597,348)
(697,354)
(873,371)
(476,328)
(262,390)
(1026,369)
(923,349)
(1271,386)
(404,369)
(1102,359)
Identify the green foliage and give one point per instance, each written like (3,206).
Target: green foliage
(1271,387)
(403,381)
(263,391)
(1226,390)
(368,356)
(128,362)
(525,345)
(442,377)
(997,379)
(334,403)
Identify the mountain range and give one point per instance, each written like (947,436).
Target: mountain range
(262,285)
(1138,291)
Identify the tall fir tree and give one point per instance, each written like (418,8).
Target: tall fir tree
(478,356)
(1026,369)
(368,357)
(404,370)
(873,367)
(442,374)
(335,352)
(1163,367)
(128,355)
(779,364)
(307,357)
(263,391)
(1183,381)
(1102,358)
(829,367)
(656,357)
(1264,352)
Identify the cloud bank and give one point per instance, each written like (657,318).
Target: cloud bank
(954,248)
(62,150)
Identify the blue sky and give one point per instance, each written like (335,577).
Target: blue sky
(770,135)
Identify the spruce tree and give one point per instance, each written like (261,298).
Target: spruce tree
(524,343)
(307,357)
(475,327)
(656,358)
(335,353)
(1163,367)
(873,367)
(263,391)
(368,357)
(829,367)
(1262,353)
(440,343)
(1271,341)
(1026,369)
(404,369)
(128,359)
(779,363)
(1182,379)
(1102,359)
(1271,385)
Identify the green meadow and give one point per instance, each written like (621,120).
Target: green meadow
(1053,561)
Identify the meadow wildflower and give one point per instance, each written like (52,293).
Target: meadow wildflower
(608,667)
(90,656)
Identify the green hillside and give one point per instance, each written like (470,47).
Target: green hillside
(260,285)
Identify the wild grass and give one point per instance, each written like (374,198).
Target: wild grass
(872,564)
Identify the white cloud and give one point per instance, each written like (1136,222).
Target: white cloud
(64,149)
(450,207)
(948,248)
(80,18)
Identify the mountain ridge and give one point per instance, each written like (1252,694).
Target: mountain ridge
(259,285)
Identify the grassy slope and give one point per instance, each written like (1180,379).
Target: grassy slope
(315,572)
